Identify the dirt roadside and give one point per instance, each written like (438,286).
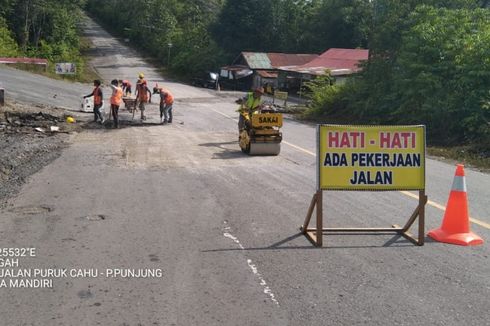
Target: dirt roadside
(31,136)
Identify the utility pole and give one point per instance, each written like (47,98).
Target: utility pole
(168,58)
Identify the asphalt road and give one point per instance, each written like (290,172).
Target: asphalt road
(223,228)
(23,86)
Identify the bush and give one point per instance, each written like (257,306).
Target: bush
(8,46)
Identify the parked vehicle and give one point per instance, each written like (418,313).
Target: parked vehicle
(206,80)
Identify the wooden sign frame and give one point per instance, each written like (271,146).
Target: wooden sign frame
(315,235)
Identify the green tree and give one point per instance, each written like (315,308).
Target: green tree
(290,21)
(443,73)
(428,64)
(245,26)
(339,24)
(8,46)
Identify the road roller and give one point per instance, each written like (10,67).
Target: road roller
(260,134)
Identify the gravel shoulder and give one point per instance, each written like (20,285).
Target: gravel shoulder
(25,150)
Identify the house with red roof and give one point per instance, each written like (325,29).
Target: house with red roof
(340,63)
(252,69)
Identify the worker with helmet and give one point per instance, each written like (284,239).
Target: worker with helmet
(98,98)
(166,104)
(248,105)
(143,94)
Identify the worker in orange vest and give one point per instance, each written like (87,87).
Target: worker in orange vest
(126,87)
(142,96)
(116,99)
(98,98)
(166,104)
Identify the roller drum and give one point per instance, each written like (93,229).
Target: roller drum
(265,148)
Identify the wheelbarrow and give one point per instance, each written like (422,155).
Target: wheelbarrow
(130,104)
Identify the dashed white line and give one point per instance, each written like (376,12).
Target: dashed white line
(267,289)
(230,236)
(253,267)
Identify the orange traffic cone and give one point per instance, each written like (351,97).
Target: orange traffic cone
(455,227)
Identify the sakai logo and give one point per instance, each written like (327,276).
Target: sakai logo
(268,119)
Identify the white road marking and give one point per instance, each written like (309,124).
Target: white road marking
(430,202)
(235,239)
(253,267)
(267,289)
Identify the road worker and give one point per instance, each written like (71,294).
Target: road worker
(143,94)
(116,99)
(126,87)
(166,104)
(98,98)
(250,103)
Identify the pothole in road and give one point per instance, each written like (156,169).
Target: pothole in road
(31,210)
(97,217)
(154,258)
(85,294)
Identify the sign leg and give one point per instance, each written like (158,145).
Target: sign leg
(319,218)
(308,215)
(422,202)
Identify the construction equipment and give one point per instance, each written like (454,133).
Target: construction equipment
(260,134)
(130,104)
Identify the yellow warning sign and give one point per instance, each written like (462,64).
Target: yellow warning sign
(371,157)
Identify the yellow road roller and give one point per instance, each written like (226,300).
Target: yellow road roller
(260,133)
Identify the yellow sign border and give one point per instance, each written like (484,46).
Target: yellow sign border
(368,130)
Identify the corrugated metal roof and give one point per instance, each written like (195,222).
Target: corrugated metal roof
(257,60)
(270,61)
(317,71)
(339,59)
(349,54)
(267,74)
(235,67)
(290,59)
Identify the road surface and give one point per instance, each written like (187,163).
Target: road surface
(222,228)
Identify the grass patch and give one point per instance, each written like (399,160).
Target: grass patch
(462,154)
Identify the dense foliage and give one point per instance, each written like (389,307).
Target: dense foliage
(429,64)
(295,26)
(8,46)
(444,73)
(40,28)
